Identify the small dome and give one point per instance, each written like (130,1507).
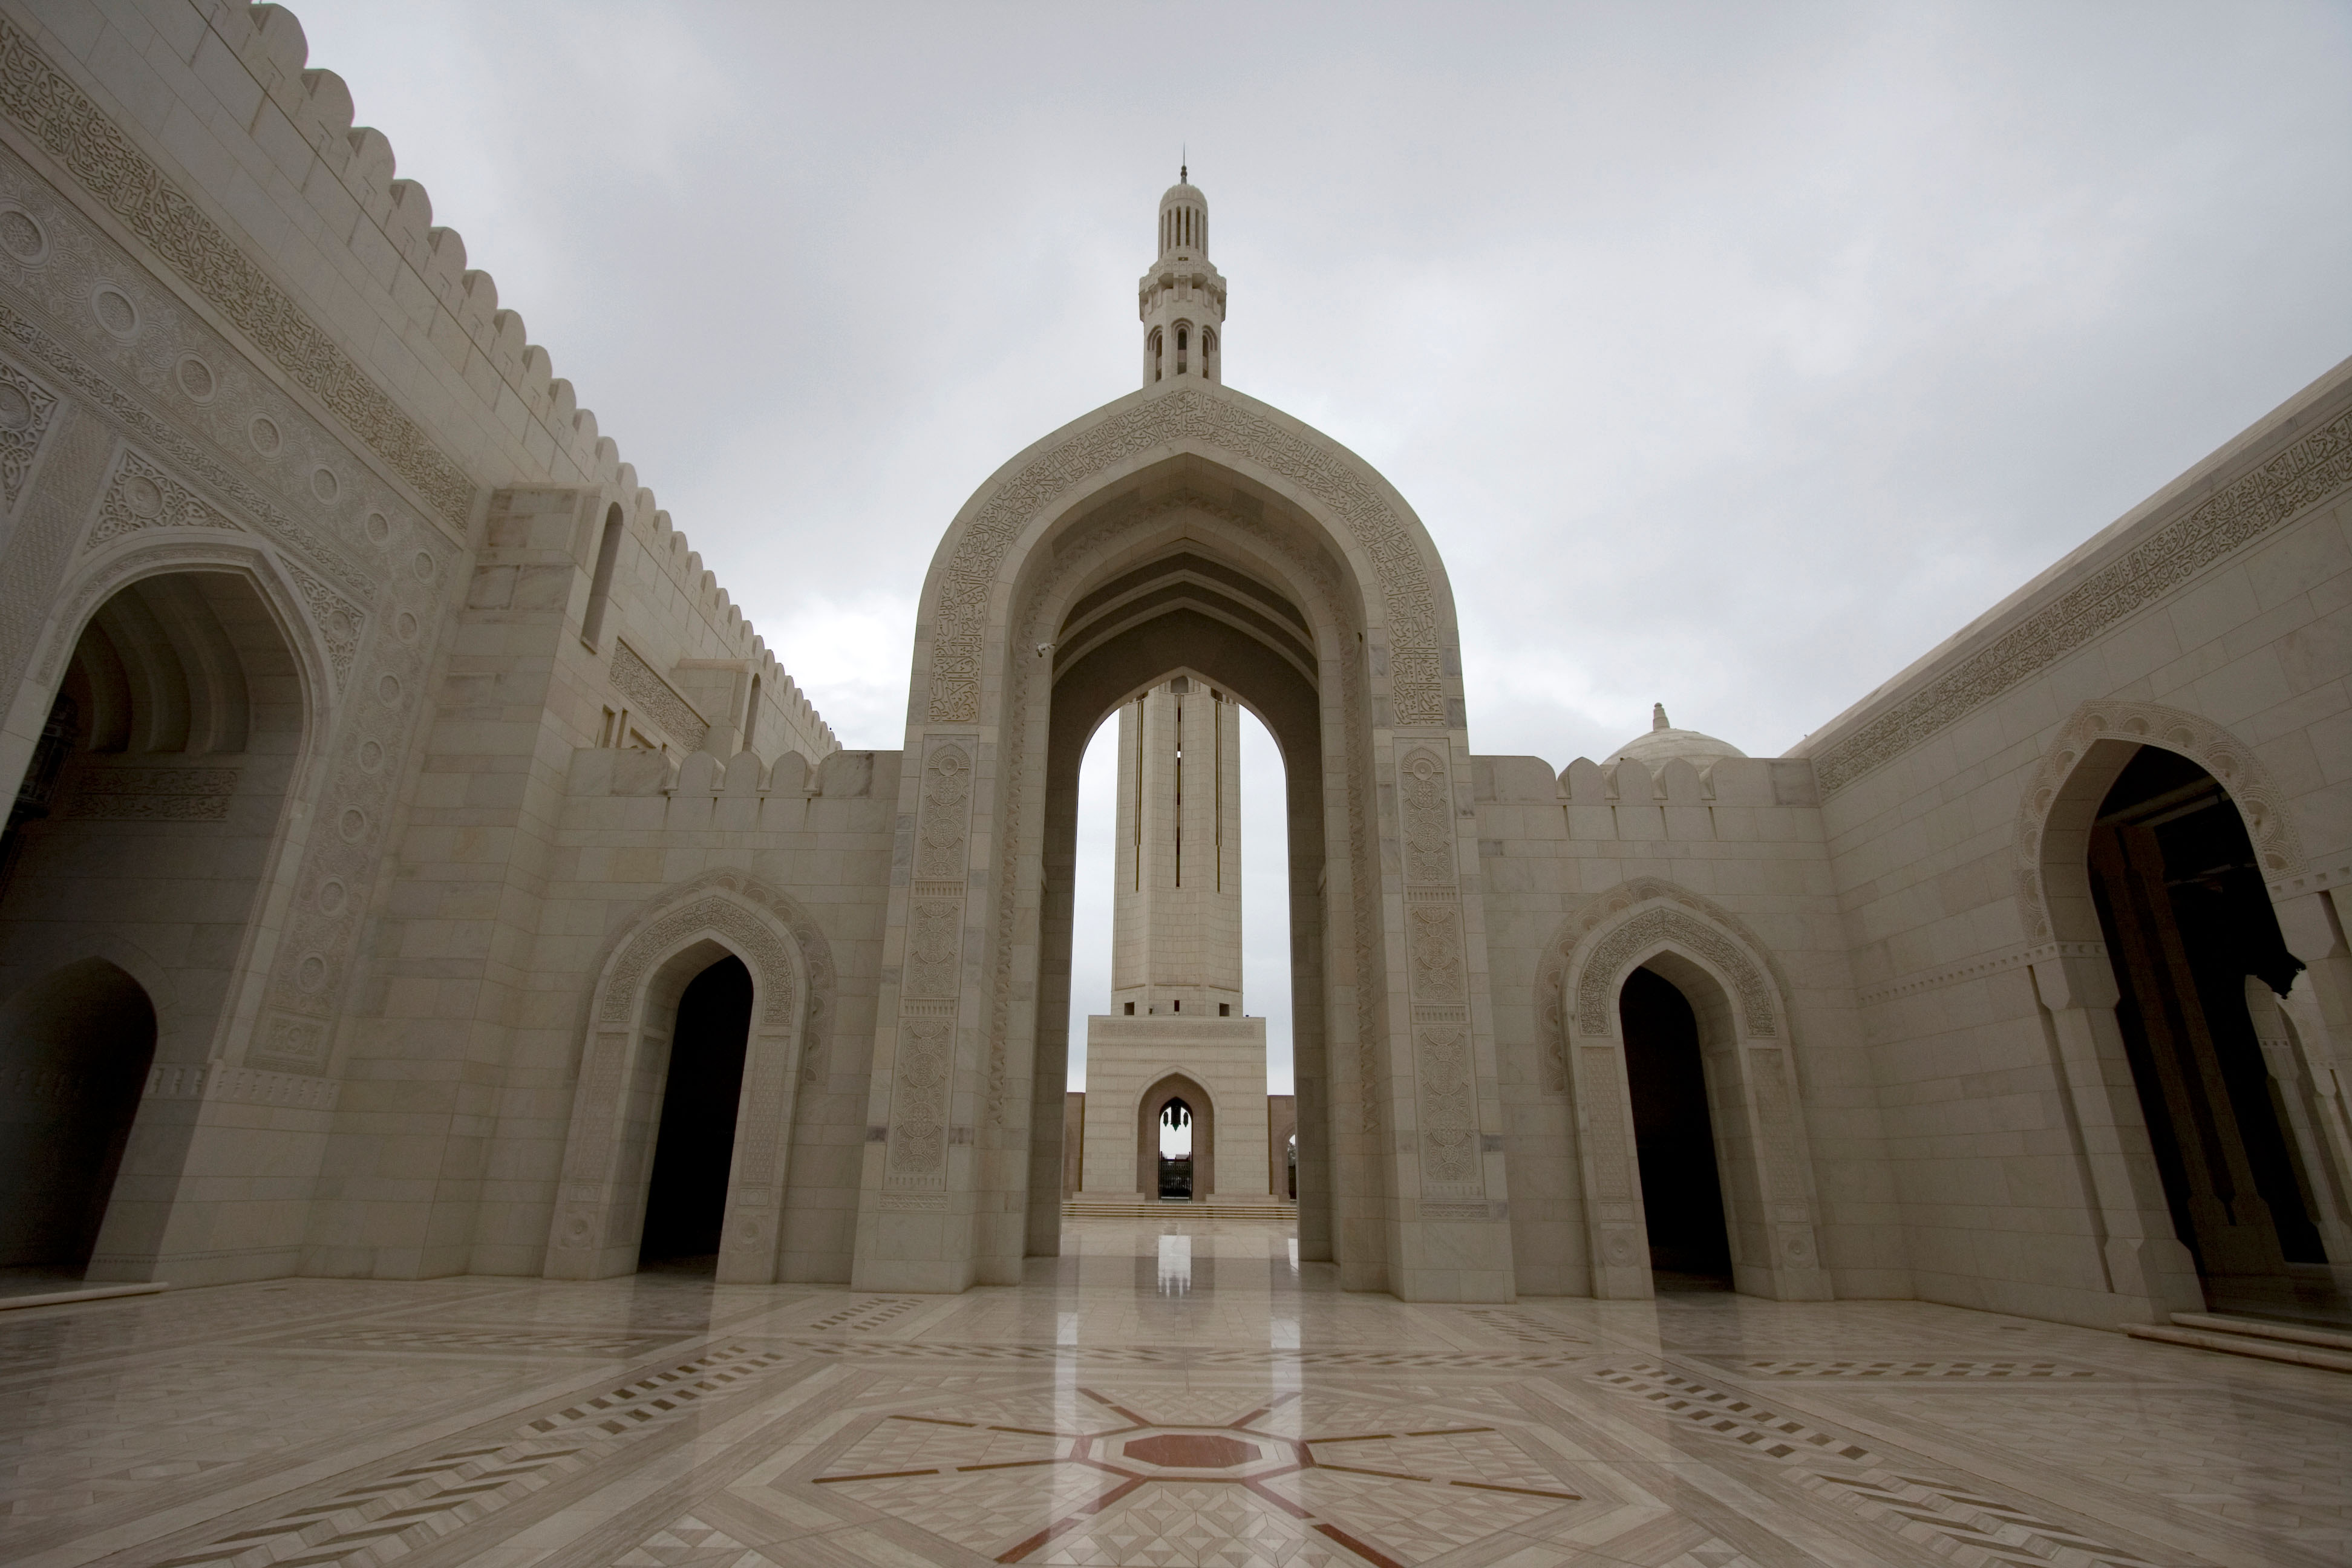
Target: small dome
(1664,743)
(1183,191)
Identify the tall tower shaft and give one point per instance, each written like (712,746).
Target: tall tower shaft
(1176,921)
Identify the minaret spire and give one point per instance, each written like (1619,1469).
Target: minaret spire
(1182,300)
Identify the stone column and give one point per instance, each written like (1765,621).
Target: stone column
(2145,1263)
(2316,1174)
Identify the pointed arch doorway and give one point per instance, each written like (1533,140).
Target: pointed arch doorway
(1176,1101)
(1188,528)
(2246,1146)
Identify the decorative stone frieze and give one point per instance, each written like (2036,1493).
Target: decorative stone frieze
(636,679)
(2308,471)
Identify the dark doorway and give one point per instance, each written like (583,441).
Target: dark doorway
(75,1047)
(2187,920)
(1176,1170)
(685,1204)
(1673,1136)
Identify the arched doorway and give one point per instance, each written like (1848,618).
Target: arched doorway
(1673,1137)
(75,1047)
(1175,1103)
(686,1195)
(152,828)
(1662,994)
(2197,958)
(672,1041)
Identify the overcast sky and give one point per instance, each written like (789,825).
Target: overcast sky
(1734,355)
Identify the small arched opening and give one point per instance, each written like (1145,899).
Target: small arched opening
(1209,365)
(1183,340)
(688,1087)
(75,1048)
(1175,1140)
(1678,1064)
(1673,1136)
(2199,966)
(686,1192)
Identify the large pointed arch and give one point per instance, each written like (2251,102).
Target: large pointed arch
(2053,816)
(1191,511)
(608,1149)
(1732,984)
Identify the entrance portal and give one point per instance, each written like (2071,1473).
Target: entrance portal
(75,1047)
(685,1204)
(2191,934)
(1673,1136)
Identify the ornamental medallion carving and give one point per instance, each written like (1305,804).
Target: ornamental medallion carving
(140,495)
(1426,799)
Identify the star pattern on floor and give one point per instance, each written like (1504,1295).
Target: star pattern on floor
(1174,1476)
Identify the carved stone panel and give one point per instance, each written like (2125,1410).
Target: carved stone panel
(1449,1109)
(2308,471)
(943,819)
(27,410)
(918,1118)
(1425,806)
(934,946)
(1435,932)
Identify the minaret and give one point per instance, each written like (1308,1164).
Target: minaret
(1176,921)
(1182,300)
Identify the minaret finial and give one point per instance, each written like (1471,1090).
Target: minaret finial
(1183,164)
(1658,717)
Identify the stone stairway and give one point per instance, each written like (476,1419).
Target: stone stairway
(2295,1343)
(1270,1213)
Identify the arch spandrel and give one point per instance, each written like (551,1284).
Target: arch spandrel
(2054,814)
(1407,602)
(1577,977)
(607,1147)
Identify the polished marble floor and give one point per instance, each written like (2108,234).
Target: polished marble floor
(1164,1393)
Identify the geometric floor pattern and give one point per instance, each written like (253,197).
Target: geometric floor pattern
(1184,1395)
